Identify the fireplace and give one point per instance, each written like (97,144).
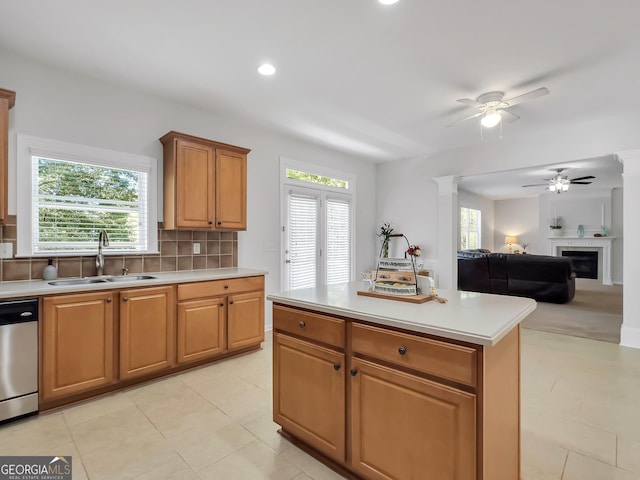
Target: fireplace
(585,263)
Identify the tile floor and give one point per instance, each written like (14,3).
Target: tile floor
(580,421)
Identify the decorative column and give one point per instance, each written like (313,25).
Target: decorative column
(630,331)
(448,231)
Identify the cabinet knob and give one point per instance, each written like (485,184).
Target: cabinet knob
(402,350)
(336,366)
(221,305)
(231,302)
(302,324)
(210,223)
(219,223)
(226,286)
(109,300)
(125,299)
(353,372)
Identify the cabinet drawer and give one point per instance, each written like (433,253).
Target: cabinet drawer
(445,360)
(313,326)
(189,291)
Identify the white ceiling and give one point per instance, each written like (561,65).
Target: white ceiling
(376,81)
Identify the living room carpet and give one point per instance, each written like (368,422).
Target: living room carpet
(595,313)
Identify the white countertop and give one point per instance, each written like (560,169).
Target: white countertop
(35,288)
(478,318)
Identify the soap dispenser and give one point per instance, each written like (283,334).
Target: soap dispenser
(50,272)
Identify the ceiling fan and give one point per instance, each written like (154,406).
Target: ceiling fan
(493,108)
(560,183)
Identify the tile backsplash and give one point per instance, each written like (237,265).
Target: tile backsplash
(217,250)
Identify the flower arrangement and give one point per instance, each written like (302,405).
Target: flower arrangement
(524,247)
(555,223)
(385,233)
(414,251)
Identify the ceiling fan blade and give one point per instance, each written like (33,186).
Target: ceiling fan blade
(588,177)
(507,116)
(580,183)
(456,122)
(536,185)
(540,92)
(470,102)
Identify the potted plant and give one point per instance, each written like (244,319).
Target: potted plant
(385,233)
(555,224)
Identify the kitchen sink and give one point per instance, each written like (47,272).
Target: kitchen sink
(88,280)
(78,281)
(129,278)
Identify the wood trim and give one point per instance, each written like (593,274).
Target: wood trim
(7,101)
(172,135)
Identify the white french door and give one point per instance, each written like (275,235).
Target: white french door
(317,237)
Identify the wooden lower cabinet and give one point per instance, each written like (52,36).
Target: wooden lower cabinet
(245,319)
(147,331)
(407,427)
(201,329)
(309,393)
(77,344)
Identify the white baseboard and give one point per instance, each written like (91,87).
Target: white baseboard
(630,337)
(617,283)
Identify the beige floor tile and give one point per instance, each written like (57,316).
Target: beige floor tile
(174,469)
(302,476)
(266,430)
(247,405)
(578,437)
(163,393)
(96,408)
(629,455)
(255,461)
(68,450)
(108,430)
(131,456)
(309,465)
(541,460)
(201,447)
(218,386)
(34,434)
(580,467)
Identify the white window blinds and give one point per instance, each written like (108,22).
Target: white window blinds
(338,240)
(302,211)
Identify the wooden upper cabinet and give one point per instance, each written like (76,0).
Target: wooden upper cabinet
(7,101)
(77,344)
(205,184)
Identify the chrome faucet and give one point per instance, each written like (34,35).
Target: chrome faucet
(103,241)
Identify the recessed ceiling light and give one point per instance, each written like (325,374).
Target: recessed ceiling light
(266,69)
(388,2)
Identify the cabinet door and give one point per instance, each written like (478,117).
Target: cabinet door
(7,100)
(200,329)
(231,190)
(309,394)
(245,319)
(77,344)
(195,164)
(147,331)
(404,427)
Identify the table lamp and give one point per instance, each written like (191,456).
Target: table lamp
(510,240)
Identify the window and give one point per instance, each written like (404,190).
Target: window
(317,226)
(470,221)
(75,191)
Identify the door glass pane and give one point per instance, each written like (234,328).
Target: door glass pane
(338,241)
(303,240)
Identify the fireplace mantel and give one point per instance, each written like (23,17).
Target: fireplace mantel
(603,243)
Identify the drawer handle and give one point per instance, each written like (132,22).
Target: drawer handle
(124,299)
(353,372)
(108,300)
(402,350)
(226,286)
(336,366)
(302,324)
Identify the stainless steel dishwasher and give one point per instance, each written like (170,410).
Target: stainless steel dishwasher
(18,358)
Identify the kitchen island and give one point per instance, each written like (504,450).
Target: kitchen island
(383,389)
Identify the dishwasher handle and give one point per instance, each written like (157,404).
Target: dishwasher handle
(19,311)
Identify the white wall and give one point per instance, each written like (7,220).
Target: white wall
(56,104)
(486,206)
(518,217)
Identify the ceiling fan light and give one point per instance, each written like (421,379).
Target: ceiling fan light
(552,187)
(491,119)
(565,187)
